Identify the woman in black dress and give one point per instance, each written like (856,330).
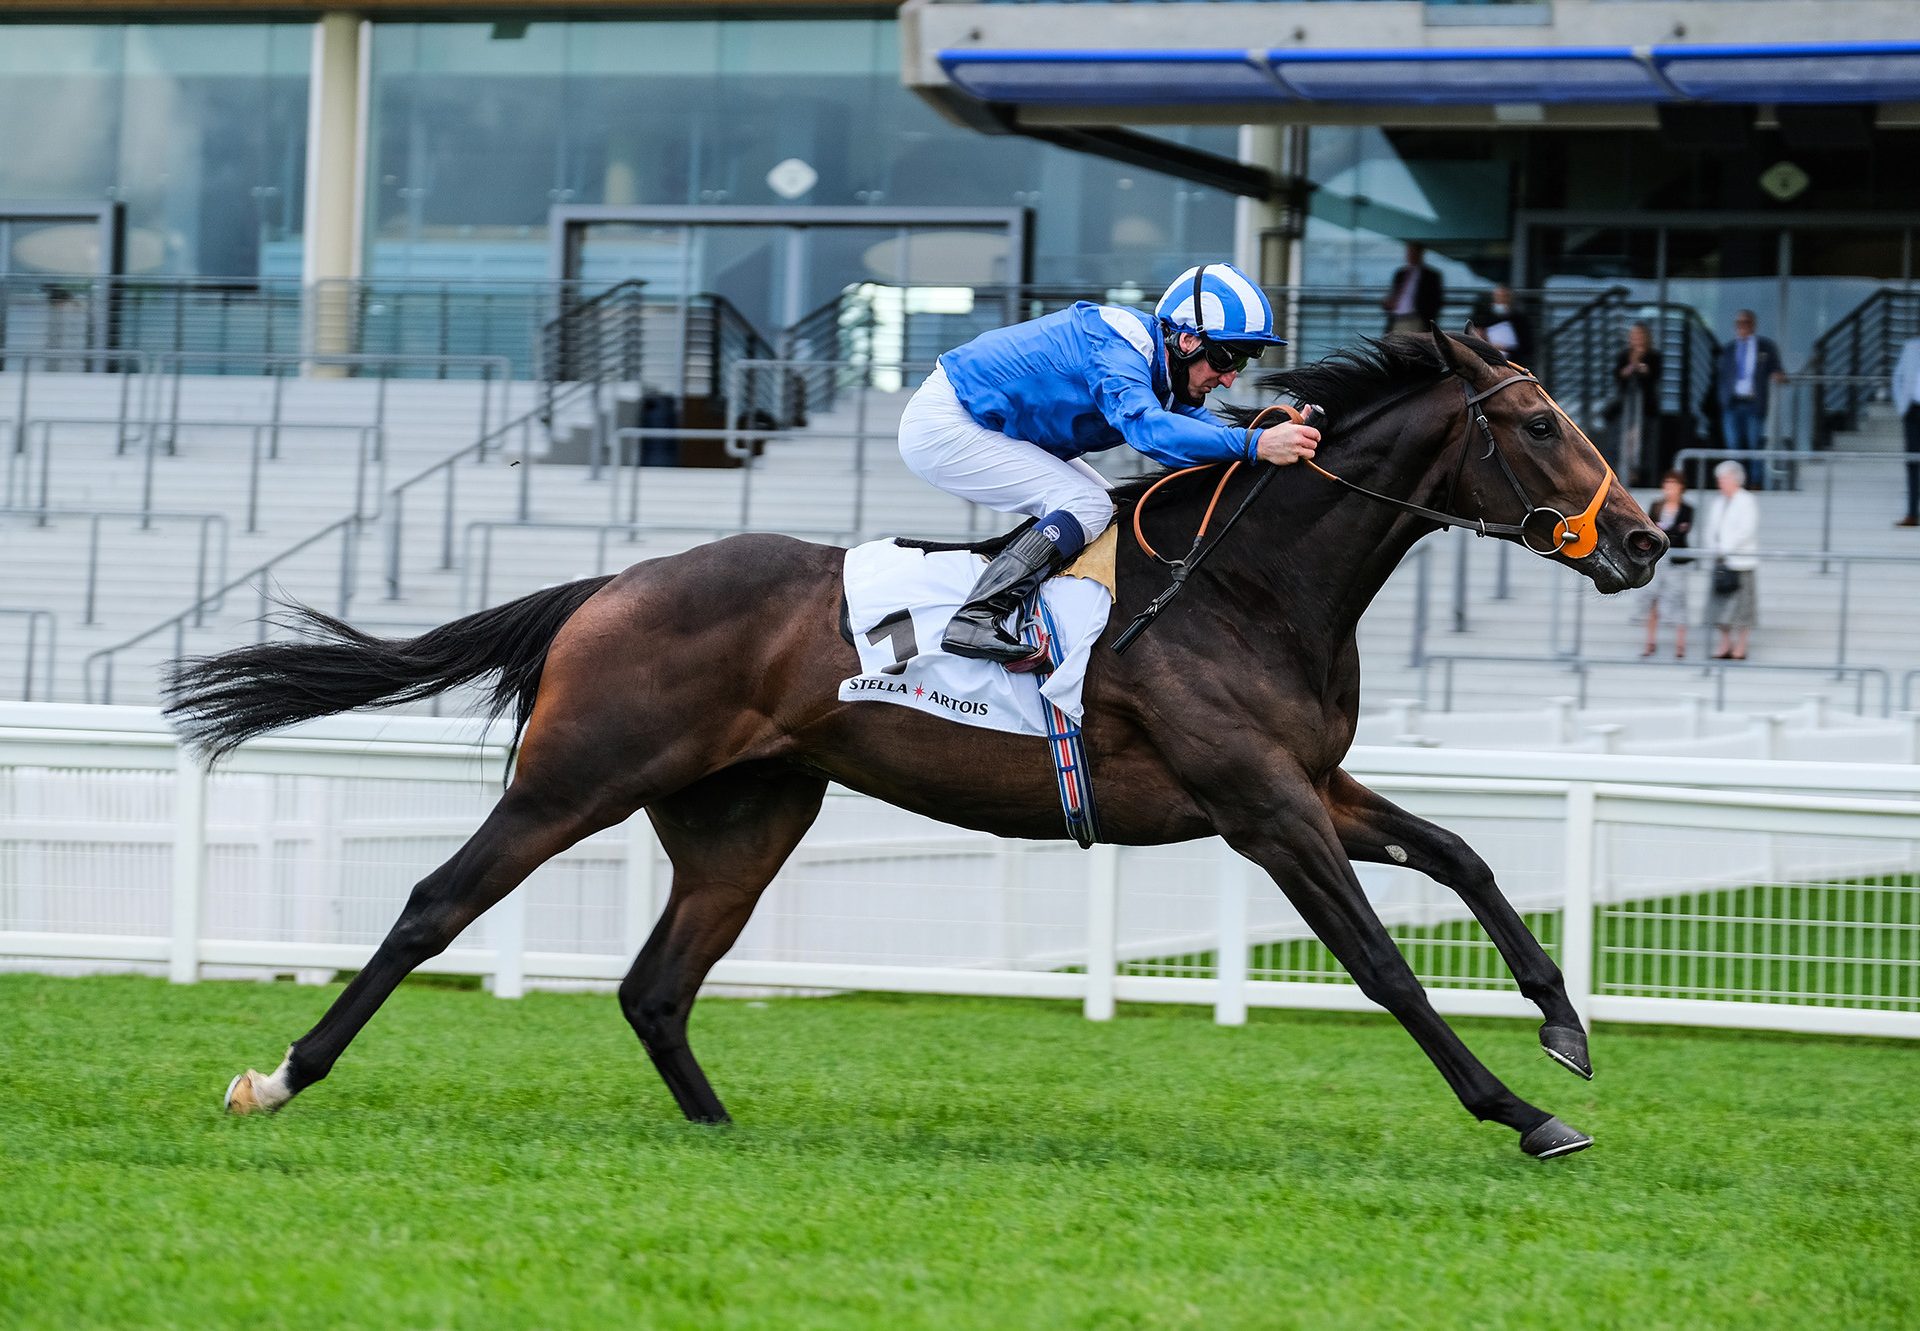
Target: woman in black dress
(1636,375)
(1674,515)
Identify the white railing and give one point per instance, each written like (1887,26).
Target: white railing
(1782,895)
(1687,727)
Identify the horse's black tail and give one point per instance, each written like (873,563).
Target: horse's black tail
(217,702)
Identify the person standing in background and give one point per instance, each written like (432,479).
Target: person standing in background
(1749,366)
(1415,295)
(1673,515)
(1635,409)
(1906,404)
(1733,535)
(1503,324)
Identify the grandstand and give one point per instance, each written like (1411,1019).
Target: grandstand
(153,506)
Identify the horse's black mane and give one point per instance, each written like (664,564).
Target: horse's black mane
(1345,382)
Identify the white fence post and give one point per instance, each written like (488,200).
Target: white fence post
(507,923)
(189,866)
(1103,929)
(642,882)
(1230,958)
(1576,917)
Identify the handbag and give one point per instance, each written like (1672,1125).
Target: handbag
(1726,581)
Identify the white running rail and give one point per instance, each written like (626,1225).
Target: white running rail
(1724,893)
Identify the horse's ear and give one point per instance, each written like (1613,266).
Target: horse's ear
(1444,345)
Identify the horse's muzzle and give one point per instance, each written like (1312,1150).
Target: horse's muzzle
(1645,545)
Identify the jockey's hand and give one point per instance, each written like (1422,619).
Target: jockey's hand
(1282,444)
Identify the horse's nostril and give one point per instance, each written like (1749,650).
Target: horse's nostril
(1646,544)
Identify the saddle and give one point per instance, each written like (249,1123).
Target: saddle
(896,600)
(1096,563)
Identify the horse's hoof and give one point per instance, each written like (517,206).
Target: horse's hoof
(1554,1138)
(243,1094)
(1567,1046)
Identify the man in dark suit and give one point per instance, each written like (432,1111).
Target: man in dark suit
(1413,298)
(1503,323)
(1749,366)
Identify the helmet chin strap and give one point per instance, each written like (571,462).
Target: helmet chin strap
(1180,371)
(1180,363)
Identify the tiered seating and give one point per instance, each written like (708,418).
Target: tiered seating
(827,486)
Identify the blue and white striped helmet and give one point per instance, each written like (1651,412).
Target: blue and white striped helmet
(1231,307)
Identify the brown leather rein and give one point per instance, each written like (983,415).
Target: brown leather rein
(1293,413)
(1573,536)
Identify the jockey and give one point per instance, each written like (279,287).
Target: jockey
(1003,421)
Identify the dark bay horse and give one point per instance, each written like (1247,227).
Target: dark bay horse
(702,688)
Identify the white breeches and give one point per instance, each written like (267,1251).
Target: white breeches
(947,448)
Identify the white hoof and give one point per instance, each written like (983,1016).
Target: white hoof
(247,1094)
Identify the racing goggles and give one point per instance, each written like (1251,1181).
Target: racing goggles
(1230,357)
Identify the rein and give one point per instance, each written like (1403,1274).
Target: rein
(1574,537)
(1300,415)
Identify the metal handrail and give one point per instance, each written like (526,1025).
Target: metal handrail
(747,365)
(1906,688)
(395,508)
(1796,415)
(370,441)
(116,313)
(1865,339)
(1581,666)
(347,528)
(492,367)
(33,618)
(476,574)
(132,365)
(1576,592)
(1689,457)
(95,516)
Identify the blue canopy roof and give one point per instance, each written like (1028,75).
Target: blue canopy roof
(1821,72)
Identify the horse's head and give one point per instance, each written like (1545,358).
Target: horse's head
(1527,464)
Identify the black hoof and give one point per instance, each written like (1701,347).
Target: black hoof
(1567,1046)
(1554,1138)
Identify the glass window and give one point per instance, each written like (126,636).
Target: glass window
(200,129)
(471,147)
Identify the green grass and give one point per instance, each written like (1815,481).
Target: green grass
(1852,943)
(928,1163)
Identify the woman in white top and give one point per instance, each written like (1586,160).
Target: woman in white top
(1733,535)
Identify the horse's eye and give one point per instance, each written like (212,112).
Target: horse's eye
(1540,429)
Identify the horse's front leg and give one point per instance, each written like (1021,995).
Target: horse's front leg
(1374,829)
(1277,819)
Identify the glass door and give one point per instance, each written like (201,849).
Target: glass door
(49,258)
(1722,271)
(1833,271)
(1800,279)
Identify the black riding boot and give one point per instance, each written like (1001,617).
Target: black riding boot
(979,629)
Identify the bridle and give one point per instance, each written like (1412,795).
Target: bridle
(1543,530)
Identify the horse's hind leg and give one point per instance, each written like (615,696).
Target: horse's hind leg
(531,824)
(1372,828)
(727,837)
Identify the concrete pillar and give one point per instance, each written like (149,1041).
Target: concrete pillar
(1256,220)
(336,152)
(1268,232)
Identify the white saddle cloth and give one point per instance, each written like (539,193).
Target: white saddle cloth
(899,602)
